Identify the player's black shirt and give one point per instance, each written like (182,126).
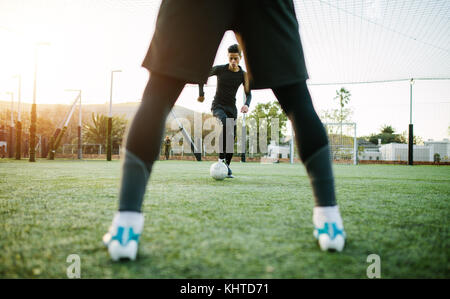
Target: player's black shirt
(227,84)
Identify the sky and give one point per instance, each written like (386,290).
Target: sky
(345,41)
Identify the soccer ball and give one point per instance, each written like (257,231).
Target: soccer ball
(218,171)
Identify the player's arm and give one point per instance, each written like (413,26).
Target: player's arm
(248,94)
(201,93)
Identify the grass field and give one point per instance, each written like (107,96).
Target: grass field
(257,225)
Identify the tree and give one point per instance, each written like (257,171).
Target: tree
(343,95)
(338,139)
(341,114)
(336,115)
(387,135)
(404,138)
(96,131)
(387,130)
(268,112)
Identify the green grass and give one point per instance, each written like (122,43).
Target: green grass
(255,226)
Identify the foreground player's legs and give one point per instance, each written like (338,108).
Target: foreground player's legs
(314,151)
(145,137)
(142,148)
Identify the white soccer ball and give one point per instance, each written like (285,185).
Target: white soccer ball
(218,171)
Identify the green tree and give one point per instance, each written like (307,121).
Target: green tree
(95,131)
(387,135)
(340,115)
(343,96)
(268,112)
(387,129)
(405,138)
(336,115)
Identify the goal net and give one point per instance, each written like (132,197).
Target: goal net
(342,141)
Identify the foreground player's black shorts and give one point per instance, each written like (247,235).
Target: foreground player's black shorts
(188,33)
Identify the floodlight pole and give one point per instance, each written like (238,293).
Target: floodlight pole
(11,127)
(19,122)
(80,154)
(411,135)
(33,106)
(291,146)
(32,142)
(197,153)
(80,150)
(109,139)
(355,148)
(244,134)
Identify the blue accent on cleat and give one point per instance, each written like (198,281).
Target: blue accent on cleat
(120,236)
(329,228)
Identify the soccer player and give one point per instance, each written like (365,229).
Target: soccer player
(229,77)
(182,51)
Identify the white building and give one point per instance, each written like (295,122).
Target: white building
(368,150)
(274,151)
(399,152)
(370,154)
(440,147)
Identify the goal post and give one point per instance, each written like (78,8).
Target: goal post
(343,142)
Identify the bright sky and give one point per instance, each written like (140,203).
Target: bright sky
(344,41)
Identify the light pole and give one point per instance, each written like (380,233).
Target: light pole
(411,135)
(109,139)
(33,106)
(291,146)
(11,127)
(19,122)
(244,133)
(80,154)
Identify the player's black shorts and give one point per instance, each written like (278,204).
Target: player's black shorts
(188,33)
(223,112)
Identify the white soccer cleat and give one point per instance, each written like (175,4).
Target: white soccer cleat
(123,236)
(328,228)
(330,238)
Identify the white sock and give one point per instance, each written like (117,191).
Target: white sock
(327,214)
(128,218)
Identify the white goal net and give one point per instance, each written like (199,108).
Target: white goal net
(342,141)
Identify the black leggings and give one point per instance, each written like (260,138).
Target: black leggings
(146,131)
(309,130)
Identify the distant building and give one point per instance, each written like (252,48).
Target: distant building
(278,151)
(367,150)
(439,147)
(399,152)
